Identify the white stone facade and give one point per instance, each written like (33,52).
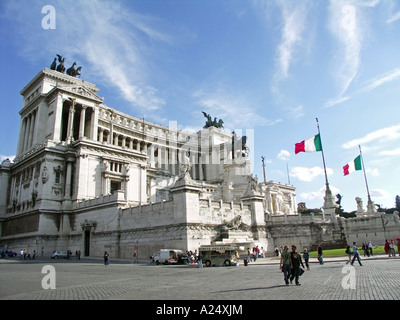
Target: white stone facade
(88,177)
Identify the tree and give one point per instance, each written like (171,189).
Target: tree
(397,202)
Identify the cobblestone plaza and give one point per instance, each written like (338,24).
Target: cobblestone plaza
(89,279)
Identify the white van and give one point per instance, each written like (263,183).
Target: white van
(167,256)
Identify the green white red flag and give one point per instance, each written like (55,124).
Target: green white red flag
(309,145)
(352,166)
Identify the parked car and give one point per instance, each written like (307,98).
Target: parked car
(7,252)
(58,254)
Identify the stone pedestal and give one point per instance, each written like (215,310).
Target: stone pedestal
(256,207)
(371,207)
(329,205)
(185,194)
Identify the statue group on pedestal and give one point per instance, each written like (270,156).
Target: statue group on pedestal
(212,123)
(72,71)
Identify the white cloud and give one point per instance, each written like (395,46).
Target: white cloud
(372,172)
(111,41)
(333,102)
(382,79)
(320,194)
(294,16)
(231,106)
(283,155)
(378,136)
(3,157)
(345,25)
(393,18)
(394,152)
(379,193)
(308,174)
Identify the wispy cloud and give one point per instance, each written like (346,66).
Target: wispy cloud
(97,34)
(345,26)
(333,102)
(308,174)
(393,152)
(231,106)
(320,194)
(4,157)
(380,193)
(382,79)
(294,15)
(393,18)
(348,24)
(378,137)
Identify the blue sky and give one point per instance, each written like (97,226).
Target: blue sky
(267,68)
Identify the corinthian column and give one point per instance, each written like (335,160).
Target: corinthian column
(82,122)
(70,126)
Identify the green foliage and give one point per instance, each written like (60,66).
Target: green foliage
(340,252)
(397,202)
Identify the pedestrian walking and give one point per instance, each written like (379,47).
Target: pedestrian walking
(387,249)
(256,251)
(295,257)
(365,249)
(349,253)
(370,247)
(398,245)
(106,258)
(356,254)
(392,250)
(320,257)
(285,264)
(306,257)
(248,255)
(199,261)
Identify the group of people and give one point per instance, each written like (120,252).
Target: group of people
(290,264)
(255,253)
(192,257)
(390,247)
(27,254)
(367,248)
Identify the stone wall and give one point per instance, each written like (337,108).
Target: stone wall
(159,225)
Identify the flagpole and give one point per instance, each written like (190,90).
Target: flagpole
(370,206)
(365,176)
(323,157)
(329,200)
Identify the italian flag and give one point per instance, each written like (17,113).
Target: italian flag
(310,145)
(352,166)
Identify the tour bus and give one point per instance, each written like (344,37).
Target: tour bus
(222,255)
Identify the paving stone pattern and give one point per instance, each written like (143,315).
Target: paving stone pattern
(89,279)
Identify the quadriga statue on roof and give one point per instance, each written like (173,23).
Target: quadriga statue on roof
(61,68)
(74,72)
(212,123)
